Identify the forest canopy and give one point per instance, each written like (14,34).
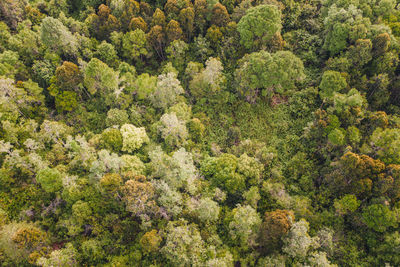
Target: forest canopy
(199,133)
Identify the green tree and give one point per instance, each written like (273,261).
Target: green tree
(347,204)
(50,180)
(332,82)
(342,25)
(106,52)
(379,217)
(259,25)
(57,37)
(387,145)
(268,73)
(183,244)
(134,44)
(144,86)
(98,77)
(244,226)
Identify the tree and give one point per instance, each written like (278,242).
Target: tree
(268,73)
(341,25)
(98,77)
(186,19)
(177,53)
(220,15)
(332,82)
(68,76)
(381,44)
(353,174)
(138,195)
(50,180)
(103,23)
(183,244)
(12,12)
(156,39)
(298,243)
(386,144)
(25,100)
(205,209)
(177,171)
(259,25)
(106,52)
(379,217)
(57,37)
(138,23)
(158,18)
(117,117)
(214,36)
(27,43)
(209,81)
(167,90)
(112,139)
(151,241)
(132,137)
(361,53)
(144,86)
(251,168)
(173,31)
(387,249)
(244,226)
(223,172)
(172,130)
(92,251)
(347,204)
(110,182)
(124,10)
(132,166)
(134,44)
(61,257)
(275,226)
(200,12)
(21,241)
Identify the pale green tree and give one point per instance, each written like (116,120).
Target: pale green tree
(245,225)
(57,37)
(133,137)
(183,244)
(167,90)
(172,130)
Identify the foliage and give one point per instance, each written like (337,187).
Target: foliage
(199,133)
(259,24)
(132,137)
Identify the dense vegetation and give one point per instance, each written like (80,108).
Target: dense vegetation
(199,133)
